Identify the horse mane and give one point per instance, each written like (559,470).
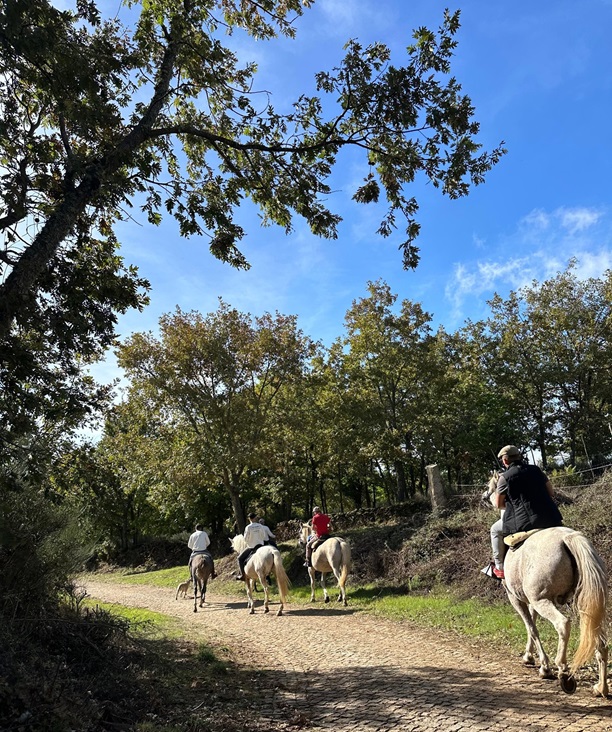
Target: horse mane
(238,543)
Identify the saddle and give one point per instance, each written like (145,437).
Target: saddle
(515,540)
(320,540)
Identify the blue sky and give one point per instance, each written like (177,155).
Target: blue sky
(539,77)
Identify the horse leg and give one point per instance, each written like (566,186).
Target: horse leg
(311,573)
(251,601)
(530,649)
(341,589)
(203,592)
(282,606)
(547,609)
(601,654)
(323,576)
(533,637)
(266,589)
(195,594)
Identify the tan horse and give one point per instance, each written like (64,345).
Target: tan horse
(202,569)
(333,555)
(551,568)
(265,561)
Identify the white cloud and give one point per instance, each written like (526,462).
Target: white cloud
(577,219)
(541,247)
(341,15)
(535,220)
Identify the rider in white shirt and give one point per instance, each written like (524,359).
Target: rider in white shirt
(255,535)
(270,537)
(198,542)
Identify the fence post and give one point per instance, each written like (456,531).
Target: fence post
(435,487)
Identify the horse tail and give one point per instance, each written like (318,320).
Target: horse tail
(590,597)
(346,563)
(282,580)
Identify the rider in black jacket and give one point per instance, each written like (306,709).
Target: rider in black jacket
(526,493)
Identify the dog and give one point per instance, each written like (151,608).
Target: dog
(183,589)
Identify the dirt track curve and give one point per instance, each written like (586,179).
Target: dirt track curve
(374,674)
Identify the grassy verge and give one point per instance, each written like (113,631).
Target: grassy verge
(143,623)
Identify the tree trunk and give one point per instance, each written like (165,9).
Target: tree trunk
(234,494)
(401,480)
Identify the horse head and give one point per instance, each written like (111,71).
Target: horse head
(305,531)
(492,487)
(238,543)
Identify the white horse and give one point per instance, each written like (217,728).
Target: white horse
(333,555)
(551,568)
(265,561)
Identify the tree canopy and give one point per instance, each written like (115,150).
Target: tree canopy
(97,116)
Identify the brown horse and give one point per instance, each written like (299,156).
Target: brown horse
(202,568)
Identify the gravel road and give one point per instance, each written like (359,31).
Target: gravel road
(341,669)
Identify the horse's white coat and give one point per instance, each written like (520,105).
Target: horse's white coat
(334,555)
(551,568)
(266,560)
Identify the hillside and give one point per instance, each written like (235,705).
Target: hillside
(409,546)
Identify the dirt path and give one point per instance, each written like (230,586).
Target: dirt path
(344,670)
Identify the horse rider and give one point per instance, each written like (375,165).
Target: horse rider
(498,547)
(321,527)
(270,537)
(198,543)
(526,494)
(255,535)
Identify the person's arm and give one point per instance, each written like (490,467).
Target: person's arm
(499,495)
(550,489)
(500,500)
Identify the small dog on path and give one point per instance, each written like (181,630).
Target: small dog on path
(183,589)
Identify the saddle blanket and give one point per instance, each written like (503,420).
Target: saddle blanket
(513,540)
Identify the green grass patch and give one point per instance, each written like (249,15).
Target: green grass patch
(158,578)
(497,623)
(142,621)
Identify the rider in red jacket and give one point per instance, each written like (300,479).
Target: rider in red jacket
(321,527)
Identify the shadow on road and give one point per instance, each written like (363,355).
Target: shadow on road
(394,697)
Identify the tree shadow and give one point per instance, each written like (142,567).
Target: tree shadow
(428,697)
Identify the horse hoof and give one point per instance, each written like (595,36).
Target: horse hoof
(326,600)
(598,691)
(546,674)
(266,610)
(568,683)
